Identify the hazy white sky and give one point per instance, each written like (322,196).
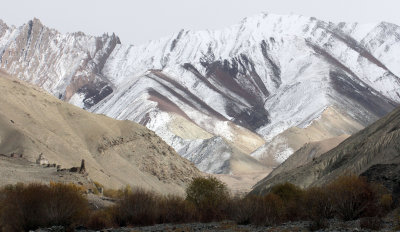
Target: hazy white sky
(137,21)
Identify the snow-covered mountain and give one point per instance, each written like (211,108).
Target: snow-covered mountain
(63,64)
(263,87)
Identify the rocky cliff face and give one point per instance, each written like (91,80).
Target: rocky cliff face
(257,84)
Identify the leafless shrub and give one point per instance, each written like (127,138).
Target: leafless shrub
(210,197)
(27,207)
(353,197)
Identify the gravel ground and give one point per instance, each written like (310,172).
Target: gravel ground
(300,226)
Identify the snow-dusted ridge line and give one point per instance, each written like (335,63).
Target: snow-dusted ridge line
(62,64)
(265,75)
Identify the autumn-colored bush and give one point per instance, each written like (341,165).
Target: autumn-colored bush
(174,209)
(27,207)
(112,193)
(242,209)
(210,197)
(139,207)
(259,210)
(97,188)
(386,202)
(101,219)
(318,208)
(117,193)
(318,204)
(292,197)
(269,210)
(287,191)
(353,197)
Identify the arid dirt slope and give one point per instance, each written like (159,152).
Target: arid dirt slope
(117,153)
(376,144)
(310,151)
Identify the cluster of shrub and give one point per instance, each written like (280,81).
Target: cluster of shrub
(26,207)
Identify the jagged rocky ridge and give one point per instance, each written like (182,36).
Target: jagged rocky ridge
(254,85)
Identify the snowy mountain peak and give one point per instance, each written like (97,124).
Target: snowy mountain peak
(253,87)
(63,64)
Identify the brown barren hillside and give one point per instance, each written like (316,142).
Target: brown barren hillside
(117,153)
(378,144)
(307,153)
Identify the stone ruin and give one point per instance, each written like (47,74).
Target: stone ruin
(42,160)
(15,155)
(80,170)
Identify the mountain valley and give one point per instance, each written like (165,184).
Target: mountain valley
(236,102)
